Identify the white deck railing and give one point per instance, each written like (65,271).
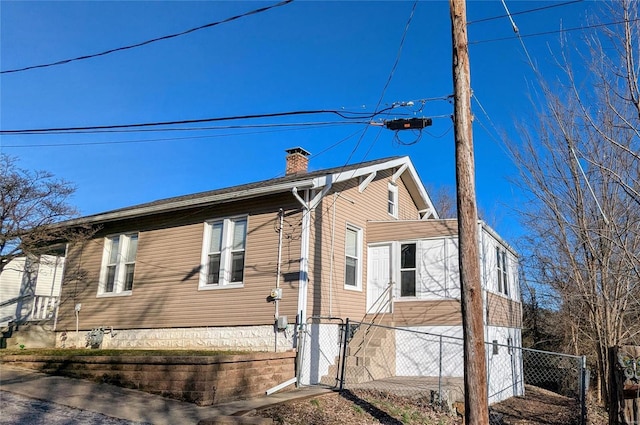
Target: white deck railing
(43,308)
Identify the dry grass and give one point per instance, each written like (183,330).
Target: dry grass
(358,407)
(363,407)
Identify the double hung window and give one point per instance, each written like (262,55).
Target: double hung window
(392,205)
(223,252)
(353,258)
(118,264)
(408,270)
(501,269)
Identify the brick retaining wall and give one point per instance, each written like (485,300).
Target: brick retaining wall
(204,380)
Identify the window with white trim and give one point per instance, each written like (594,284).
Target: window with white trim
(118,264)
(223,253)
(353,258)
(408,270)
(392,204)
(501,269)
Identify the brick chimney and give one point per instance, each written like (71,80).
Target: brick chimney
(297,161)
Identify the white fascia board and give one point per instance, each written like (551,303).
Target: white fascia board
(484,226)
(186,203)
(350,174)
(422,192)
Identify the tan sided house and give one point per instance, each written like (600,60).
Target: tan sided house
(237,268)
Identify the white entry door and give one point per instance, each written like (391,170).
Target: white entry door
(378,278)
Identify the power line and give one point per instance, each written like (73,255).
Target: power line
(353,117)
(517,32)
(153,40)
(386,85)
(398,54)
(538,9)
(387,110)
(343,114)
(207,128)
(554,32)
(168,139)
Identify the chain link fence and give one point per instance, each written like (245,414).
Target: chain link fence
(320,346)
(563,374)
(427,362)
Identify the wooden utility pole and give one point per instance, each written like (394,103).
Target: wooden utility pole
(475,369)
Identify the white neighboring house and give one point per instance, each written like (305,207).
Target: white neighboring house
(30,290)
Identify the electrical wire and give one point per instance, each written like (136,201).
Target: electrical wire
(586,27)
(496,138)
(538,9)
(517,32)
(342,114)
(167,139)
(208,128)
(399,141)
(153,40)
(388,82)
(142,127)
(334,145)
(439,136)
(398,54)
(319,215)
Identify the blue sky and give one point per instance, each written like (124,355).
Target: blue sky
(306,55)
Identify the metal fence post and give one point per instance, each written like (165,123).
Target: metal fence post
(583,391)
(344,353)
(440,374)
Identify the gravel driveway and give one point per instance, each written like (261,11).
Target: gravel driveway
(17,409)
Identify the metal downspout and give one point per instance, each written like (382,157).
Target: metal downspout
(278,271)
(308,205)
(333,237)
(303,279)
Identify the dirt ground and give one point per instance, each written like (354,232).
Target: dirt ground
(367,407)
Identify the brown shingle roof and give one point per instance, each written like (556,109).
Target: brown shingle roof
(192,199)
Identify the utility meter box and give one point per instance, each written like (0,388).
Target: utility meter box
(282,323)
(276,293)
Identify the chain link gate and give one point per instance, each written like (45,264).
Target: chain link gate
(320,351)
(563,374)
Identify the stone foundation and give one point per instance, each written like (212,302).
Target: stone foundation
(243,338)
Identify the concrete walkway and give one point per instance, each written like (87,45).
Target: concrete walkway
(127,404)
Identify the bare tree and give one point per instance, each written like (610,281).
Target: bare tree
(31,203)
(580,165)
(444,200)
